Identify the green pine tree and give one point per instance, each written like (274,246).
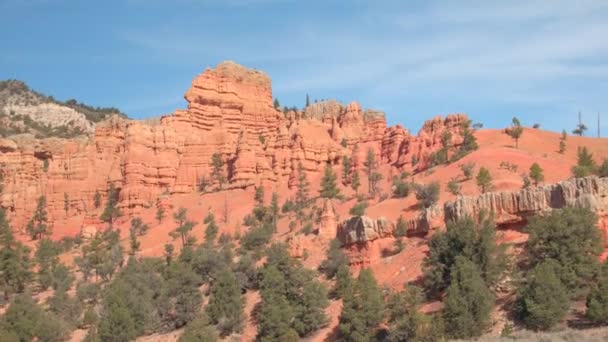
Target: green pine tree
(111,211)
(570,237)
(536,174)
(515,131)
(211,230)
(184,226)
(15,264)
(484,180)
(597,300)
(217,172)
(363,309)
(225,307)
(543,301)
(468,302)
(347,169)
(329,188)
(355,183)
(38,226)
(585,165)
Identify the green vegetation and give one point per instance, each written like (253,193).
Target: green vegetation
(476,243)
(597,300)
(568,237)
(293,301)
(469,142)
(427,194)
(580,129)
(334,260)
(97,200)
(454,187)
(225,308)
(302,199)
(536,174)
(371,167)
(467,170)
(363,309)
(355,182)
(562,142)
(468,301)
(111,211)
(515,131)
(484,180)
(405,320)
(38,226)
(347,170)
(26,321)
(401,188)
(543,300)
(15,261)
(184,226)
(329,188)
(358,209)
(217,173)
(160,214)
(585,164)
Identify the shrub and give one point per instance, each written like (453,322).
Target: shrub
(603,169)
(467,239)
(543,301)
(585,165)
(334,260)
(468,302)
(597,300)
(467,170)
(536,173)
(358,209)
(568,236)
(454,187)
(362,310)
(329,187)
(427,194)
(307,228)
(401,189)
(484,180)
(401,227)
(515,131)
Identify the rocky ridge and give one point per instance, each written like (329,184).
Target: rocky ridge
(25,111)
(229,112)
(508,208)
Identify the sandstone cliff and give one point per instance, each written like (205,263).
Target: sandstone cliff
(229,112)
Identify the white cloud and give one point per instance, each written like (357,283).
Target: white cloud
(512,51)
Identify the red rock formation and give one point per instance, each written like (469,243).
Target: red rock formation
(229,112)
(328,225)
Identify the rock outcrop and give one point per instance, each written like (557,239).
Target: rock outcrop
(230,112)
(358,229)
(512,207)
(328,222)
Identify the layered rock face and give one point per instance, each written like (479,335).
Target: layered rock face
(511,207)
(229,112)
(358,229)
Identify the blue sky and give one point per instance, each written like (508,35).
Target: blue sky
(540,60)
